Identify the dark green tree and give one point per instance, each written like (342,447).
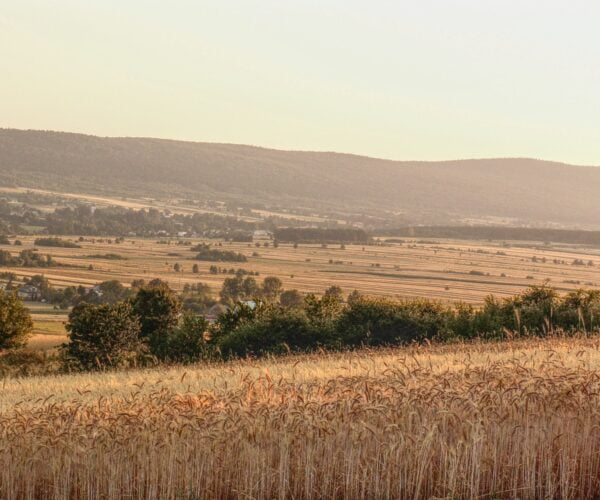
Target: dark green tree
(273,331)
(271,288)
(15,321)
(291,299)
(102,336)
(187,342)
(353,296)
(238,288)
(158,309)
(334,292)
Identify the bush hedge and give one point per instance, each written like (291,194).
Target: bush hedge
(152,324)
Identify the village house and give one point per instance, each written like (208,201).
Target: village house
(260,234)
(29,292)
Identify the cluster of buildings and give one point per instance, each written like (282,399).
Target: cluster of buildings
(25,292)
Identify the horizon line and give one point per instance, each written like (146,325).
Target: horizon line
(239,144)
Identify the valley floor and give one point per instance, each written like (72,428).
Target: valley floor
(509,419)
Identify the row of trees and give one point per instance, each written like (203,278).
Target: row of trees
(573,236)
(26,258)
(320,235)
(85,220)
(241,288)
(206,253)
(107,292)
(151,326)
(55,242)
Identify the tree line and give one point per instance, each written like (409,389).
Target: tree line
(151,325)
(86,220)
(320,235)
(26,258)
(573,236)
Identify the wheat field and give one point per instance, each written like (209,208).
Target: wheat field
(515,419)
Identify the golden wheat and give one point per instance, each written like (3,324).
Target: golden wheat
(517,419)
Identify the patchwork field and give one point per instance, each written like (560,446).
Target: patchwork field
(446,270)
(48,326)
(505,420)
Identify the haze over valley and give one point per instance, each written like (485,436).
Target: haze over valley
(511,191)
(259,249)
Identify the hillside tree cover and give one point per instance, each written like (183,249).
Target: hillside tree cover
(524,189)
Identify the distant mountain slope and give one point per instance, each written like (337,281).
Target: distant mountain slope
(526,189)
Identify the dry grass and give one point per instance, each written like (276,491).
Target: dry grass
(49,329)
(45,341)
(511,420)
(52,328)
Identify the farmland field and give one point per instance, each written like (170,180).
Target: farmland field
(48,326)
(446,270)
(514,419)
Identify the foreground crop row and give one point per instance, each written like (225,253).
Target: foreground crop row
(511,419)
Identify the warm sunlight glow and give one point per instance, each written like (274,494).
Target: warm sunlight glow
(431,80)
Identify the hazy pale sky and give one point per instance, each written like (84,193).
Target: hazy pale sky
(418,79)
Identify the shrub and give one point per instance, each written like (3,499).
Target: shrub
(107,256)
(535,309)
(461,324)
(24,363)
(531,312)
(158,309)
(6,258)
(55,242)
(235,317)
(323,312)
(291,298)
(379,322)
(579,311)
(103,336)
(26,258)
(15,321)
(275,331)
(107,292)
(208,254)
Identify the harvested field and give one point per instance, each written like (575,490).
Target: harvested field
(446,270)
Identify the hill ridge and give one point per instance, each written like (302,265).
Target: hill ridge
(527,190)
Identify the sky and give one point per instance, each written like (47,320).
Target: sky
(403,79)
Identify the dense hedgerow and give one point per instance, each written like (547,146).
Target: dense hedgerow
(55,242)
(204,252)
(150,325)
(365,321)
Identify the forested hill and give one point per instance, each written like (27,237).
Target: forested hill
(524,189)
